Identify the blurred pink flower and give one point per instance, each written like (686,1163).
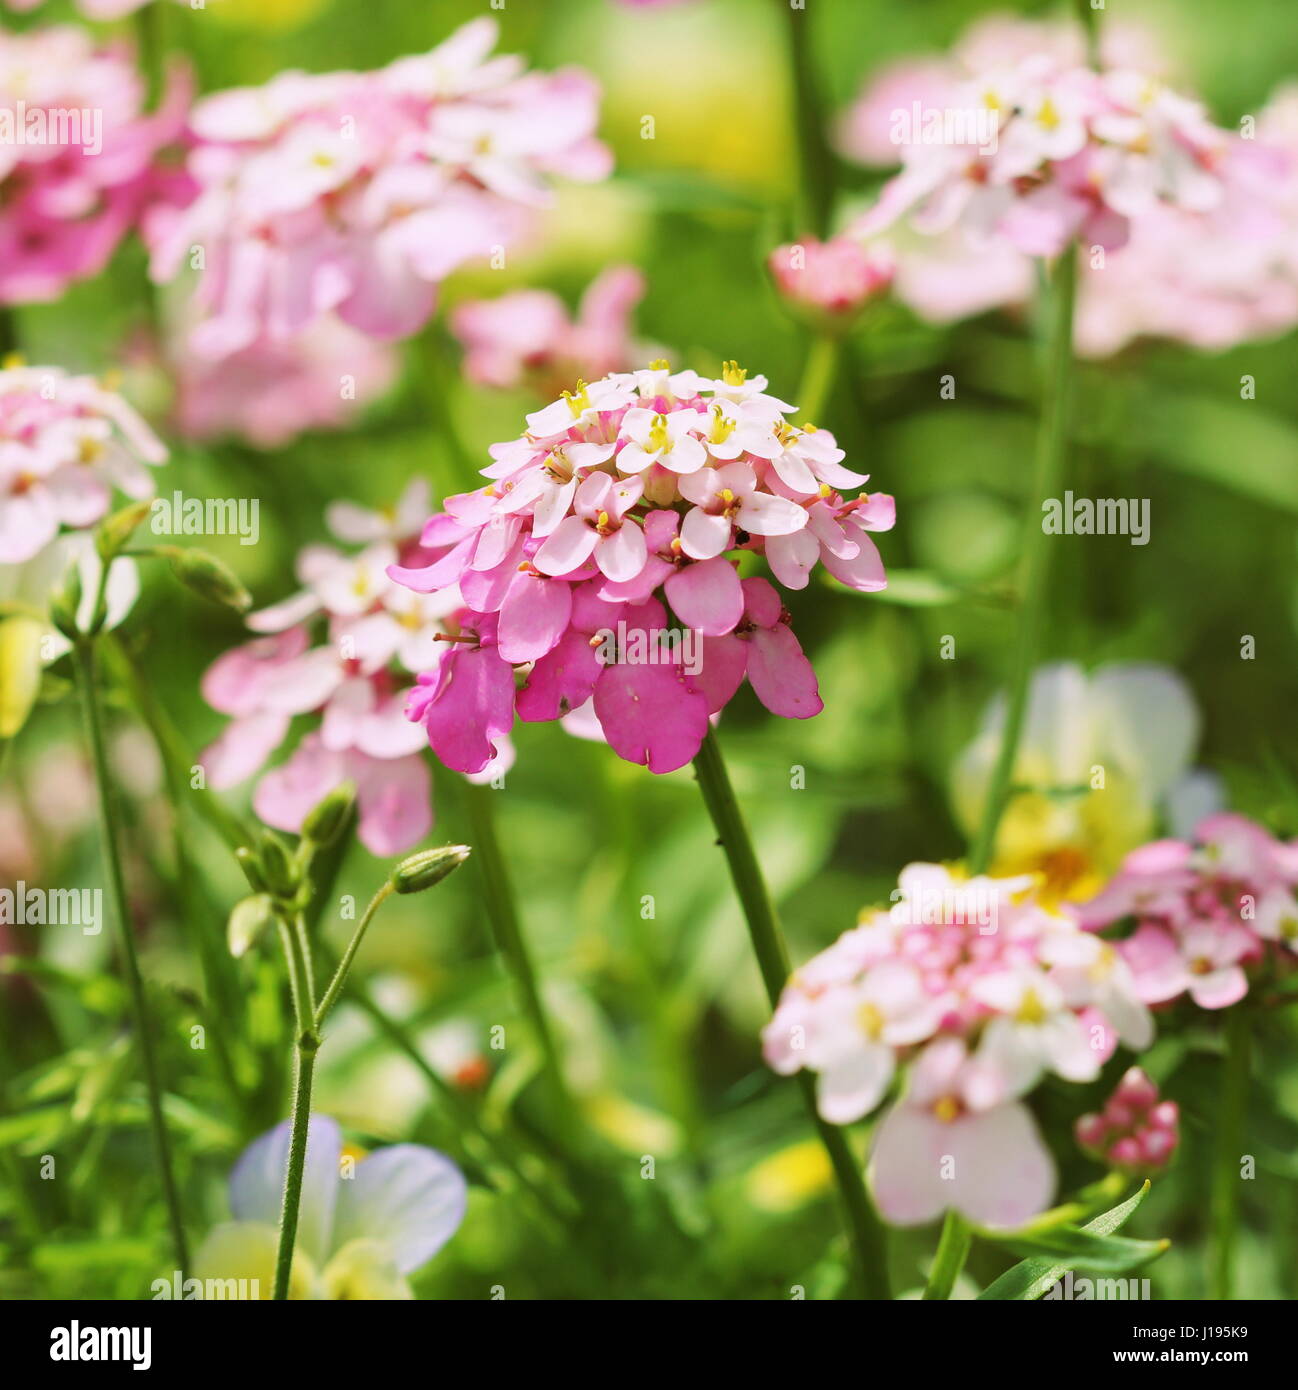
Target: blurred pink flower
(271,392)
(1208,916)
(66,442)
(984,961)
(1135,1132)
(70,189)
(625,499)
(942,1148)
(831,279)
(1046,153)
(354,684)
(528,337)
(355,194)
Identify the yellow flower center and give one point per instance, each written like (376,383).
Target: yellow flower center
(1031,1009)
(578,400)
(871,1021)
(733,374)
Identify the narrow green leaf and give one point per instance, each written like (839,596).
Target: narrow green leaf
(1032,1277)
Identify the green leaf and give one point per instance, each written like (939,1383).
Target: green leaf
(1093,1246)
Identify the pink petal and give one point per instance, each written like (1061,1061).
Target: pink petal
(533,616)
(562,680)
(707,596)
(622,555)
(394,797)
(569,545)
(649,717)
(781,676)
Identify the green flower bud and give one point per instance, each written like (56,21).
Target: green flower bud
(248,919)
(251,867)
(277,866)
(116,530)
(209,577)
(64,603)
(325,821)
(428,867)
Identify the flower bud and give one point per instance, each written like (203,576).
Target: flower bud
(64,603)
(324,822)
(209,577)
(116,530)
(277,866)
(428,867)
(251,868)
(248,919)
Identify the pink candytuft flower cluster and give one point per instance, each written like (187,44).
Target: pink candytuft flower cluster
(1045,152)
(618,515)
(376,635)
(1135,1132)
(1210,276)
(77,157)
(271,392)
(357,193)
(831,280)
(1209,916)
(66,442)
(975,991)
(528,338)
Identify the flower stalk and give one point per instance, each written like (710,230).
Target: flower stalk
(1232,1109)
(1052,434)
(773,962)
(502,913)
(83,648)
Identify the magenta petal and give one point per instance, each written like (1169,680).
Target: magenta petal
(781,675)
(484,590)
(439,574)
(533,616)
(562,680)
(762,604)
(649,717)
(474,706)
(707,596)
(725,660)
(865,571)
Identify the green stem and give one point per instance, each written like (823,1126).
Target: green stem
(773,962)
(817,161)
(306,1045)
(86,679)
(305,1053)
(345,964)
(10,338)
(952,1251)
(1232,1110)
(1037,551)
(818,377)
(1090,19)
(503,916)
(176,754)
(953,1245)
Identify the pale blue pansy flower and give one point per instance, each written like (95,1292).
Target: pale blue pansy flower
(363,1226)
